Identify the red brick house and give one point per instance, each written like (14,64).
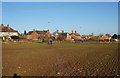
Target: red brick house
(75,36)
(66,36)
(105,37)
(6,32)
(61,35)
(38,35)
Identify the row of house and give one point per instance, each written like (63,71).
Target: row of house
(6,32)
(45,34)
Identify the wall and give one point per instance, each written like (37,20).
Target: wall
(8,34)
(34,36)
(28,37)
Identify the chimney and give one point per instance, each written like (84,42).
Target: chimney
(48,31)
(62,31)
(2,25)
(72,31)
(75,31)
(33,30)
(7,25)
(57,31)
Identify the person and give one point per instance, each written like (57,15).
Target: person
(51,41)
(38,38)
(16,76)
(48,41)
(43,40)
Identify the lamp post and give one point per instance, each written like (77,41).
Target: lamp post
(49,32)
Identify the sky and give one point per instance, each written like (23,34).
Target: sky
(84,17)
(60,0)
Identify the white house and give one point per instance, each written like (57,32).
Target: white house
(6,32)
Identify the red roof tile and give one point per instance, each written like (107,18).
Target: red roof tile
(62,33)
(39,32)
(7,29)
(76,34)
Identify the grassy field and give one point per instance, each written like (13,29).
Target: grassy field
(60,59)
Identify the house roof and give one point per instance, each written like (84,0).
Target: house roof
(76,34)
(7,29)
(77,37)
(104,37)
(62,33)
(39,32)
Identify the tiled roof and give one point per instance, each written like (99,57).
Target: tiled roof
(39,32)
(7,29)
(104,37)
(62,33)
(30,32)
(76,34)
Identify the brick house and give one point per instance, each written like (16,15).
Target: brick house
(66,36)
(105,37)
(6,32)
(96,37)
(38,35)
(75,36)
(61,35)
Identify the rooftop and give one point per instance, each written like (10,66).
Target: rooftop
(6,28)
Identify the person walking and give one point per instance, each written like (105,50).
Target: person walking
(51,41)
(48,41)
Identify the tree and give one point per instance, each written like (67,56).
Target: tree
(92,34)
(115,36)
(14,37)
(108,35)
(19,34)
(118,36)
(101,35)
(25,32)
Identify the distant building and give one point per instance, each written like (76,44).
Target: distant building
(75,36)
(6,32)
(105,37)
(66,36)
(61,35)
(38,35)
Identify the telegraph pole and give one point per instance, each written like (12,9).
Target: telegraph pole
(49,32)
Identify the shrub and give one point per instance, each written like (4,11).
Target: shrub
(106,39)
(14,37)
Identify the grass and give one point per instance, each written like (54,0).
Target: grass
(60,59)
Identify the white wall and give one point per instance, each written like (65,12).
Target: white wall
(8,34)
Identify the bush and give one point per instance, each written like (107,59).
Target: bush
(112,39)
(91,39)
(14,37)
(106,40)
